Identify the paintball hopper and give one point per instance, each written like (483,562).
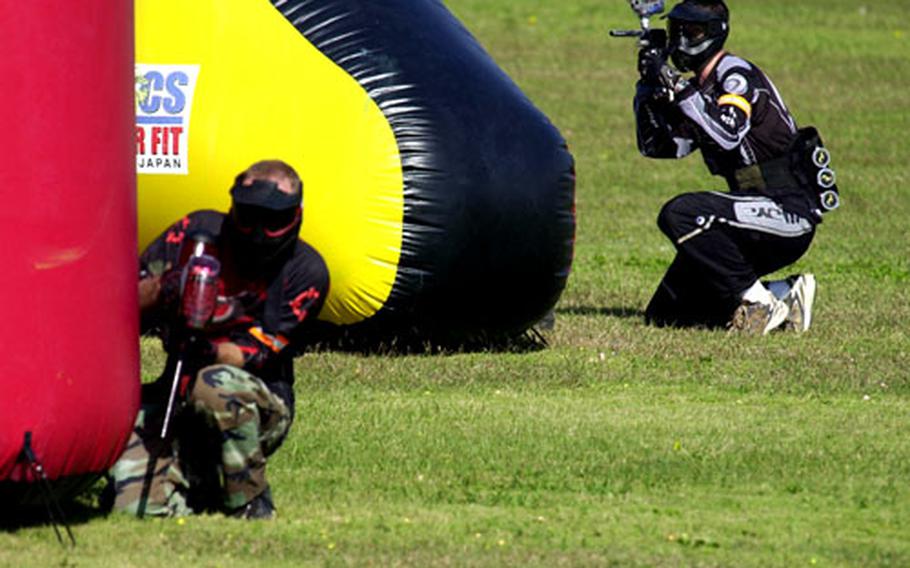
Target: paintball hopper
(200,291)
(199,280)
(644,9)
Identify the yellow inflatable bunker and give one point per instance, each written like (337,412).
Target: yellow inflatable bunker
(441,199)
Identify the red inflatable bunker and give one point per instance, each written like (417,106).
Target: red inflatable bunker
(70,364)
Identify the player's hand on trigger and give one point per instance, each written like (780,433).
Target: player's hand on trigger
(229,353)
(671,79)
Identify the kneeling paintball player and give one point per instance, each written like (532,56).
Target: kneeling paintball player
(778,175)
(231,295)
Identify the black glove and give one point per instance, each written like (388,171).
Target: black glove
(654,39)
(650,60)
(671,79)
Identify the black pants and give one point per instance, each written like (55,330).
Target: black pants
(724,243)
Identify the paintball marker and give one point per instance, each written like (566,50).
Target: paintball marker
(645,9)
(199,283)
(653,50)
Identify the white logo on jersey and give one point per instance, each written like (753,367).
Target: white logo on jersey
(736,84)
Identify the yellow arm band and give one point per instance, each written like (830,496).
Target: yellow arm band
(737,101)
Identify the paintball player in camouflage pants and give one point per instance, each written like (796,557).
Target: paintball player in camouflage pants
(151,479)
(234,378)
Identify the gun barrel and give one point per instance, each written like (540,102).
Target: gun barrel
(170,400)
(625,33)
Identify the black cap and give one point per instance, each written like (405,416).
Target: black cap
(265,194)
(694,12)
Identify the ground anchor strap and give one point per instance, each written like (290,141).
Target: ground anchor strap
(54,511)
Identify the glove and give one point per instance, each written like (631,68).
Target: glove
(650,61)
(654,39)
(671,79)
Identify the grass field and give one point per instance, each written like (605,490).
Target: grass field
(620,444)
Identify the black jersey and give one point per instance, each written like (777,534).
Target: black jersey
(736,117)
(263,316)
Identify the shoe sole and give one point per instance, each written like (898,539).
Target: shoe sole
(759,322)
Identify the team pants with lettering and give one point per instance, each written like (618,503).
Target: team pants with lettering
(724,243)
(215,458)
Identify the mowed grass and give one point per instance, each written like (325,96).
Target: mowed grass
(619,444)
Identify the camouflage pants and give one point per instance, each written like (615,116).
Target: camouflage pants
(215,457)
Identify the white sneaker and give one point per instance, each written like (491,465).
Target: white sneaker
(759,318)
(799,301)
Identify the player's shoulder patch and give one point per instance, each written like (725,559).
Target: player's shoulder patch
(733,74)
(736,84)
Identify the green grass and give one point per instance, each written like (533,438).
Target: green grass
(620,444)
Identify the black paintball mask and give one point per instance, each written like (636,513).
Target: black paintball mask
(263,225)
(697,30)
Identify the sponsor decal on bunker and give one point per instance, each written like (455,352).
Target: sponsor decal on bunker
(164,101)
